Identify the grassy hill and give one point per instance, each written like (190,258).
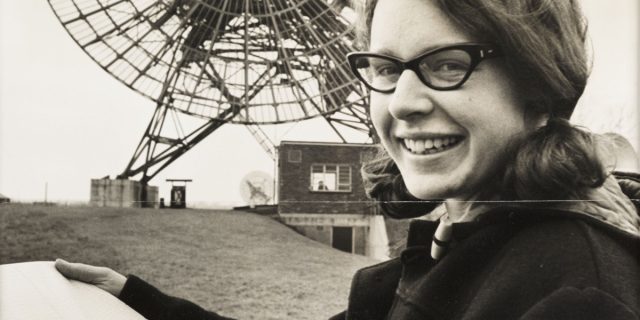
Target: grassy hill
(238,264)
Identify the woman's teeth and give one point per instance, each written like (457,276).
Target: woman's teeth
(428,146)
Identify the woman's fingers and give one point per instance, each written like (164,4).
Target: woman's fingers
(103,278)
(79,271)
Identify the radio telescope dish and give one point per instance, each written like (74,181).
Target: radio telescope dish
(240,61)
(256,188)
(251,62)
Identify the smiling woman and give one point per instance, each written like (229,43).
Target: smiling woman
(492,142)
(470,101)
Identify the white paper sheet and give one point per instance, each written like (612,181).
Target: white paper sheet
(36,290)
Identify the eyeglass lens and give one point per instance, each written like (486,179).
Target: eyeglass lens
(441,69)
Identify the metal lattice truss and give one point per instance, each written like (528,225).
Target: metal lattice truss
(251,62)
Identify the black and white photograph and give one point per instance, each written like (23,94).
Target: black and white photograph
(319,159)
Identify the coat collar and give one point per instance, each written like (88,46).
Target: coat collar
(615,205)
(610,203)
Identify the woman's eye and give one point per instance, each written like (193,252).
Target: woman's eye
(452,67)
(449,66)
(386,70)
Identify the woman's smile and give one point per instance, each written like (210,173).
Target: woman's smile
(432,145)
(429,153)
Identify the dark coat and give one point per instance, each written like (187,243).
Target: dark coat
(526,265)
(509,263)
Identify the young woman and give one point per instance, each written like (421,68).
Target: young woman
(470,101)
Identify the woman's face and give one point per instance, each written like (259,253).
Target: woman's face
(467,129)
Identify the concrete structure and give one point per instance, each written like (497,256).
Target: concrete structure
(122,193)
(321,195)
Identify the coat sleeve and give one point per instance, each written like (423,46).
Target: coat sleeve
(585,304)
(340,316)
(152,304)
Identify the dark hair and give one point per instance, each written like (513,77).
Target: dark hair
(383,182)
(543,43)
(556,162)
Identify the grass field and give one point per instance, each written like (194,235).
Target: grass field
(238,264)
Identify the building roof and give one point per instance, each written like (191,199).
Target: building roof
(3,197)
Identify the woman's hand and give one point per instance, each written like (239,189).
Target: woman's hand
(102,277)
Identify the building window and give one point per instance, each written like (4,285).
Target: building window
(294,156)
(330,177)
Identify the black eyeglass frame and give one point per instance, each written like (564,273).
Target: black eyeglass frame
(477,51)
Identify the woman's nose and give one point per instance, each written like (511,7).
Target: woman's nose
(411,97)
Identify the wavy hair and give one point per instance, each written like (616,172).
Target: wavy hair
(543,44)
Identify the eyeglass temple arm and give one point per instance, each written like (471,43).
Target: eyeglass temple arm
(489,53)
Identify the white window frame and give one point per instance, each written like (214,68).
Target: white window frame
(338,184)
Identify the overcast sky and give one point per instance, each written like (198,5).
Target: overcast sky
(63,120)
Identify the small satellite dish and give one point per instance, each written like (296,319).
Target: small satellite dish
(256,188)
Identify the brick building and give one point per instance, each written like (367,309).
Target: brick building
(321,195)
